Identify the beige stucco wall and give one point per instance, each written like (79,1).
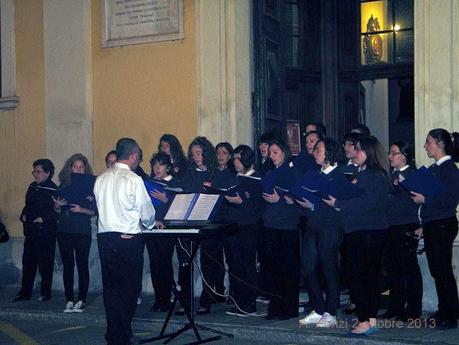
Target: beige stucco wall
(22,131)
(142,91)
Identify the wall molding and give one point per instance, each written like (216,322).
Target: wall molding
(8,98)
(224,70)
(68,79)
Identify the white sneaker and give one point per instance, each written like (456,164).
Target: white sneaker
(68,307)
(326,321)
(311,319)
(139,300)
(79,307)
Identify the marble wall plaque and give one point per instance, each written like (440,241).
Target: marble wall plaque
(126,22)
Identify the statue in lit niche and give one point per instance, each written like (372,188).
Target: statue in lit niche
(372,43)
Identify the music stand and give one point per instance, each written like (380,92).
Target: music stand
(190,313)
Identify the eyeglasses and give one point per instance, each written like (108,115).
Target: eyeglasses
(393,154)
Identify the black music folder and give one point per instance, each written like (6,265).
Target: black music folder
(158,186)
(314,187)
(424,182)
(225,191)
(249,184)
(280,179)
(81,186)
(245,184)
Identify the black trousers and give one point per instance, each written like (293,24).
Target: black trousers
(230,255)
(38,254)
(405,276)
(160,251)
(184,248)
(302,229)
(321,255)
(283,264)
(439,236)
(212,267)
(365,251)
(122,267)
(74,248)
(244,246)
(263,279)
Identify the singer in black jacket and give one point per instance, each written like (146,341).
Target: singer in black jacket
(401,261)
(439,222)
(40,223)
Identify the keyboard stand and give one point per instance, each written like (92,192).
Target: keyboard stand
(191,324)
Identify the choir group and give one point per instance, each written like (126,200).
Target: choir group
(329,239)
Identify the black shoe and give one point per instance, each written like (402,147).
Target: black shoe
(435,316)
(351,309)
(390,315)
(230,301)
(19,297)
(44,298)
(219,299)
(245,312)
(157,307)
(180,312)
(287,317)
(203,311)
(407,318)
(263,299)
(270,316)
(444,324)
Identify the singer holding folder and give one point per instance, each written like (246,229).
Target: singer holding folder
(224,177)
(365,227)
(200,173)
(280,236)
(321,242)
(400,257)
(75,205)
(440,226)
(244,210)
(161,249)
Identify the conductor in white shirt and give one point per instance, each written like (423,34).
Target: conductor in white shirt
(124,208)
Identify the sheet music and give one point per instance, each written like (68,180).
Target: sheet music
(203,207)
(179,207)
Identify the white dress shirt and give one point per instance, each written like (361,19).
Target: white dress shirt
(443,159)
(329,169)
(122,201)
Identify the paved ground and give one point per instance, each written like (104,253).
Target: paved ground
(35,323)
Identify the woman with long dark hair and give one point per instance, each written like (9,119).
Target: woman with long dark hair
(244,210)
(401,259)
(200,173)
(281,238)
(224,177)
(170,145)
(321,242)
(74,233)
(439,223)
(365,227)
